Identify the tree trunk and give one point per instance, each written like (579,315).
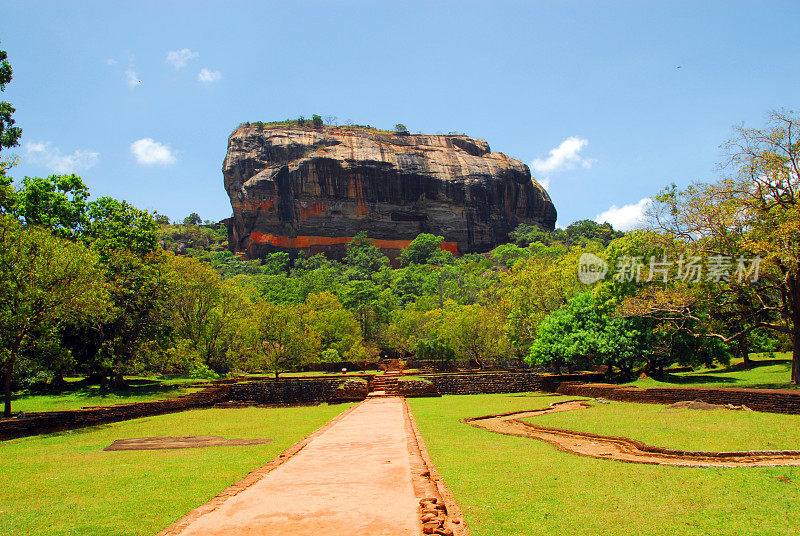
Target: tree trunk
(744,351)
(58,379)
(7,390)
(276,375)
(796,356)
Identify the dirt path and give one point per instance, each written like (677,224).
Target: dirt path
(624,449)
(353,477)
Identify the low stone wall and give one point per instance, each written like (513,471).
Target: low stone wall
(484,383)
(56,421)
(351,391)
(501,382)
(294,391)
(769,400)
(551,382)
(416,388)
(288,391)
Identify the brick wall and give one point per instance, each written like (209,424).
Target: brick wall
(416,388)
(292,391)
(288,391)
(501,382)
(769,400)
(55,421)
(495,382)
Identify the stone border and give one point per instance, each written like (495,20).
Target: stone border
(253,477)
(749,456)
(768,400)
(455,518)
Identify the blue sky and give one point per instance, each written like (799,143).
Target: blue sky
(586,92)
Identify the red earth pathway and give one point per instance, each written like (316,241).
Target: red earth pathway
(353,478)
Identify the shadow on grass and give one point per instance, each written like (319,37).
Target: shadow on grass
(754,364)
(136,387)
(695,378)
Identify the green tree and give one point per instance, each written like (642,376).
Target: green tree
(280,340)
(475,332)
(586,333)
(58,202)
(363,257)
(753,211)
(193,219)
(337,327)
(535,286)
(117,225)
(197,293)
(589,230)
(425,249)
(9,134)
(317,122)
(44,282)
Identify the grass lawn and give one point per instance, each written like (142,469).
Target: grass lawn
(65,484)
(768,373)
(685,429)
(510,486)
(76,396)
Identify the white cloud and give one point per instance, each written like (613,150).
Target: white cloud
(110,61)
(207,76)
(148,152)
(626,217)
(565,156)
(132,77)
(180,58)
(45,153)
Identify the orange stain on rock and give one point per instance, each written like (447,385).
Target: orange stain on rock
(266,205)
(314,209)
(310,241)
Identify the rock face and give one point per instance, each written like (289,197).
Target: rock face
(301,189)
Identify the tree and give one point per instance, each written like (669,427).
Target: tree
(425,249)
(536,286)
(400,128)
(280,339)
(586,333)
(193,219)
(197,292)
(364,257)
(137,324)
(475,332)
(317,122)
(337,327)
(58,202)
(9,134)
(44,282)
(117,225)
(582,230)
(752,212)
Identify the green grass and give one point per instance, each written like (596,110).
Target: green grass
(511,486)
(76,396)
(768,373)
(685,429)
(65,484)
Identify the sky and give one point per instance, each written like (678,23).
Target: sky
(607,102)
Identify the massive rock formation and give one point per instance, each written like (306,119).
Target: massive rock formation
(297,188)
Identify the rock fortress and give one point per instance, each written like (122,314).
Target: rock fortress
(296,188)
